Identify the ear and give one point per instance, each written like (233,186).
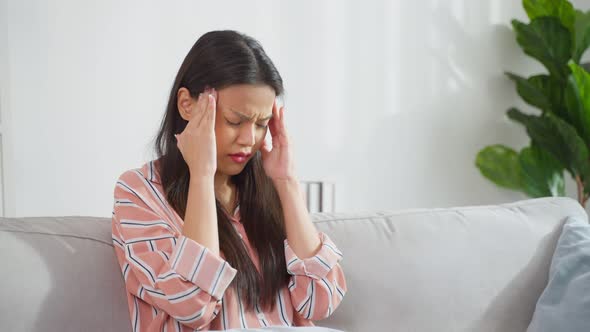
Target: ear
(185,103)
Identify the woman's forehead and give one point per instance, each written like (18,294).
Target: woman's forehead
(247,99)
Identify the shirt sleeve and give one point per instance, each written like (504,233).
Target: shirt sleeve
(317,283)
(161,266)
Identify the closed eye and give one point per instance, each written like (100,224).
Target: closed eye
(236,124)
(232,123)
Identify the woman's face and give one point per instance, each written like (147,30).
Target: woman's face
(241,123)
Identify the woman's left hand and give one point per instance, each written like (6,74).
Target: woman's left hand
(279,166)
(278,159)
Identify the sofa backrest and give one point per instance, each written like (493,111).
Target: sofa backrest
(452,269)
(60,274)
(476,268)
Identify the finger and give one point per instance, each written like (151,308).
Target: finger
(204,107)
(209,118)
(197,113)
(272,124)
(283,126)
(283,136)
(279,125)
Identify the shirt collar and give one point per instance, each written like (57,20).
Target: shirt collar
(150,172)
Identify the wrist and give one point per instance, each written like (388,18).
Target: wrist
(201,179)
(288,184)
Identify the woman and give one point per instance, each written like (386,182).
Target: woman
(214,233)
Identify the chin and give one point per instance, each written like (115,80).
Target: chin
(232,170)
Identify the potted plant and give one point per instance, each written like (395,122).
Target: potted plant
(557,36)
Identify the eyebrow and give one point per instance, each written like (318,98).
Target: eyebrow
(245,117)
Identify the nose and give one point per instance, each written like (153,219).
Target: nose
(247,135)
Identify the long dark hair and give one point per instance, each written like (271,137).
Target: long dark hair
(219,59)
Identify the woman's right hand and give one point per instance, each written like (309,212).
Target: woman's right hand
(197,140)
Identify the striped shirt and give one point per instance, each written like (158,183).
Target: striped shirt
(175,284)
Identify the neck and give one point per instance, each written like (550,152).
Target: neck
(224,191)
(221,182)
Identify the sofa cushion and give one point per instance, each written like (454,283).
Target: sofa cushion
(565,303)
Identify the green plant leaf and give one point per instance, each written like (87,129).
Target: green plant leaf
(557,137)
(500,165)
(541,173)
(561,9)
(541,91)
(581,34)
(582,79)
(548,41)
(531,93)
(577,97)
(554,90)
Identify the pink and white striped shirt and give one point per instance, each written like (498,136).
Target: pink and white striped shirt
(175,284)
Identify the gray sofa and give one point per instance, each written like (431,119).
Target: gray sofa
(476,268)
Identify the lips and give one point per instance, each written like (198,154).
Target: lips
(240,157)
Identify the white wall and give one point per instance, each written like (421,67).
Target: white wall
(391,100)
